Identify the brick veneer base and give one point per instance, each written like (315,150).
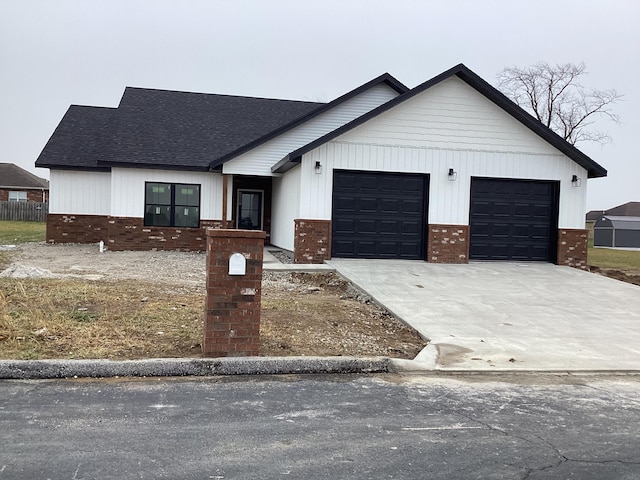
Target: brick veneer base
(77,228)
(126,233)
(448,244)
(232,307)
(572,247)
(312,241)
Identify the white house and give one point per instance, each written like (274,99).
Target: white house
(449,171)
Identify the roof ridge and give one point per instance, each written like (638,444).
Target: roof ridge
(228,95)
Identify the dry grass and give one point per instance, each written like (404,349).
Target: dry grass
(76,319)
(79,319)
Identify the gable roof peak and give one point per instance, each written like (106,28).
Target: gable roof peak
(481,86)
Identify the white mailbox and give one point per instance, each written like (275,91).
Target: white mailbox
(237,264)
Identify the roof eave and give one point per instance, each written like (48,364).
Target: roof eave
(286,164)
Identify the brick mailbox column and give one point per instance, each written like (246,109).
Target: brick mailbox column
(232,307)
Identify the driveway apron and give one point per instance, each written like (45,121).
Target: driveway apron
(515,316)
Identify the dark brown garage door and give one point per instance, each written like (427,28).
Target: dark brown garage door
(513,219)
(378,215)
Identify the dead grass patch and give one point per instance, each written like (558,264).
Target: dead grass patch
(78,319)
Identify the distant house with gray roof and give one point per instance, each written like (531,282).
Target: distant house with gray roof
(19,185)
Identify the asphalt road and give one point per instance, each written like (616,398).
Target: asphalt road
(308,427)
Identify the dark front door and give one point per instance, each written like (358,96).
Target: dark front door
(513,219)
(378,215)
(250,209)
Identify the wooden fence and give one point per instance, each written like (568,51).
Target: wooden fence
(24,211)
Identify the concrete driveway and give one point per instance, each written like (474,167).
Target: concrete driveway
(516,316)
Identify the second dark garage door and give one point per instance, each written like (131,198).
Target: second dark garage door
(513,219)
(378,215)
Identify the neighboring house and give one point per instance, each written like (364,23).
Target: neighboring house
(449,171)
(616,227)
(19,185)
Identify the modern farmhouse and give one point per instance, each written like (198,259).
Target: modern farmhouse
(449,171)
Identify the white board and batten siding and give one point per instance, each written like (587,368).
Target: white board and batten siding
(450,125)
(259,160)
(128,190)
(79,192)
(285,208)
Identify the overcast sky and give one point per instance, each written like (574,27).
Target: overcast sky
(54,53)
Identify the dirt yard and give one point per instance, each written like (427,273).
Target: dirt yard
(629,276)
(70,301)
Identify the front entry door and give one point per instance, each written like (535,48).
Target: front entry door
(250,210)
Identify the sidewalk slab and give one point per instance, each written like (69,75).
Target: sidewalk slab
(509,316)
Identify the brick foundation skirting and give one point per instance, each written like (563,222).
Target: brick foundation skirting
(572,247)
(448,244)
(312,241)
(77,228)
(126,233)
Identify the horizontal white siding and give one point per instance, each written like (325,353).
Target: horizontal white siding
(260,160)
(450,115)
(128,189)
(448,201)
(285,208)
(79,192)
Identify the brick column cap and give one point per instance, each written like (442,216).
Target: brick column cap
(235,233)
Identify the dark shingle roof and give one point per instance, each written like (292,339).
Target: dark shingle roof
(629,209)
(167,129)
(473,80)
(594,215)
(82,139)
(12,176)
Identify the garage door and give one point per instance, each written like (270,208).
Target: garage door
(513,219)
(378,215)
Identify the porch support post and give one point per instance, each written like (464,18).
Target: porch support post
(225,190)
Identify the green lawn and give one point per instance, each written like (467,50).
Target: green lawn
(12,233)
(609,258)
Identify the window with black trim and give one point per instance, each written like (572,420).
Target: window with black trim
(172,205)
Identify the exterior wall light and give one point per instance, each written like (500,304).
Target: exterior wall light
(576,181)
(453,175)
(318,168)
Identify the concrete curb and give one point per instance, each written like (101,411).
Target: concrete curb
(177,367)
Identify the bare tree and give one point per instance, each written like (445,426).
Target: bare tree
(554,96)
